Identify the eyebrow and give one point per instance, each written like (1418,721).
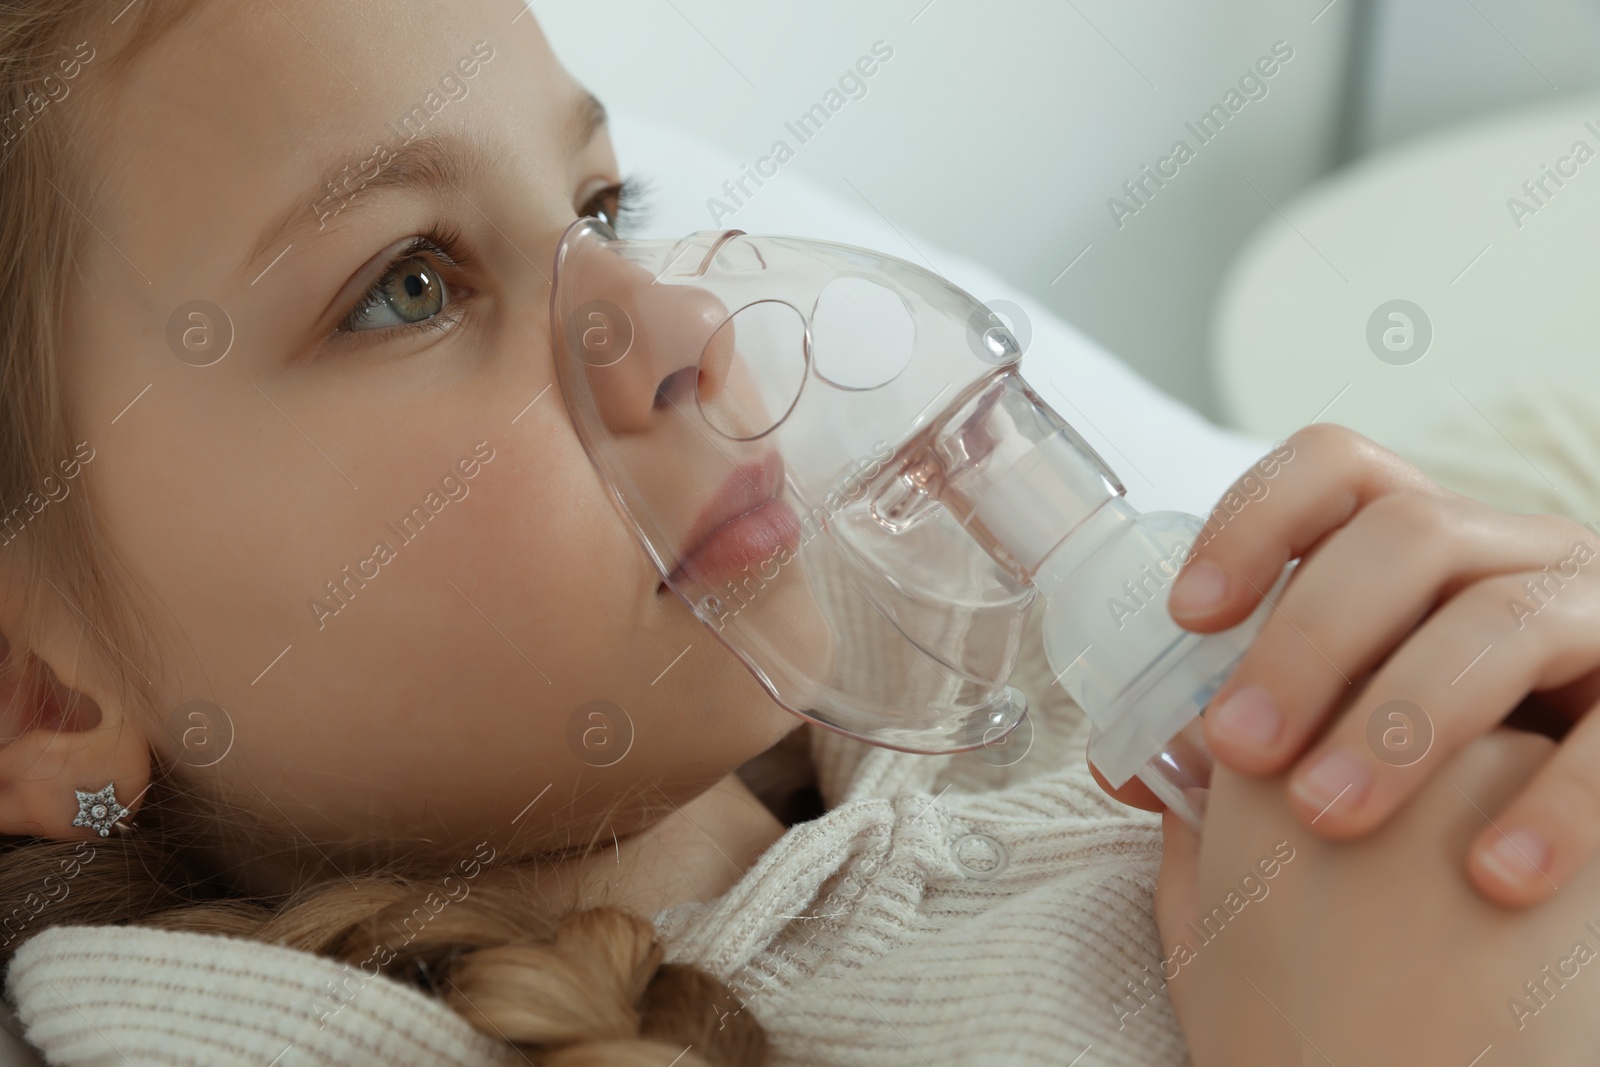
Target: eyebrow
(438,163)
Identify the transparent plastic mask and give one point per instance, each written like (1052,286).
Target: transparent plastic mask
(831,455)
(775,382)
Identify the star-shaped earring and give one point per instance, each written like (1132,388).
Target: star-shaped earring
(99,811)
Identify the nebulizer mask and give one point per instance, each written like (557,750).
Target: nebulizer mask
(832,457)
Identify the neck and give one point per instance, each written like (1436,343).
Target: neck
(695,853)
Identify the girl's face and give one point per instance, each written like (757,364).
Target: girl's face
(367,532)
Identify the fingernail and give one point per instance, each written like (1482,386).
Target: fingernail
(1517,858)
(1338,775)
(1249,717)
(1199,588)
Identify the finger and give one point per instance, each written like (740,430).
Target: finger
(1472,787)
(1177,886)
(1454,679)
(1551,829)
(1354,600)
(1133,793)
(1320,477)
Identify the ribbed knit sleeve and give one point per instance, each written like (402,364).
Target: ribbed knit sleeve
(111,996)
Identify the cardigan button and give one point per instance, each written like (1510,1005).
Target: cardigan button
(979,856)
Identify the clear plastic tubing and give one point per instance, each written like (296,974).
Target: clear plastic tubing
(1142,679)
(1044,504)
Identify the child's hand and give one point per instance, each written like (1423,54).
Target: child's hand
(1426,616)
(1280,948)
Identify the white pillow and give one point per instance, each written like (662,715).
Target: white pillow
(1168,456)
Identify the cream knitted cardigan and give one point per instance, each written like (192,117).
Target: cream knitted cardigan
(944,910)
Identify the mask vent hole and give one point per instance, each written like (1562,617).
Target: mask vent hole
(862,334)
(752,369)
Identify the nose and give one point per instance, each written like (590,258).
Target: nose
(647,345)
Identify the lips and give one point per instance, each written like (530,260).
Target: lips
(744,523)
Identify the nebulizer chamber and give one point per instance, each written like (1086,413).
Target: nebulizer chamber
(833,458)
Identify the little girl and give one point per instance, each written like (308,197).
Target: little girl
(347,723)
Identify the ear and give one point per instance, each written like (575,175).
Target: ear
(63,728)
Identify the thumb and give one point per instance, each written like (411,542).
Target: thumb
(1178,884)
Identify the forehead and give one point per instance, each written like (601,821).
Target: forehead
(201,137)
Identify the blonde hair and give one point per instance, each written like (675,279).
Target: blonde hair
(568,987)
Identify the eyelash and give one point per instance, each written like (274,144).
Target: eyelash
(444,244)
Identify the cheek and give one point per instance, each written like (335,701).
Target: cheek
(605,633)
(541,535)
(442,690)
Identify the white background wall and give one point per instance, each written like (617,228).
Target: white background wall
(1433,62)
(1000,130)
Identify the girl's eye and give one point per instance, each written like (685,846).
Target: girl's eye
(410,291)
(616,205)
